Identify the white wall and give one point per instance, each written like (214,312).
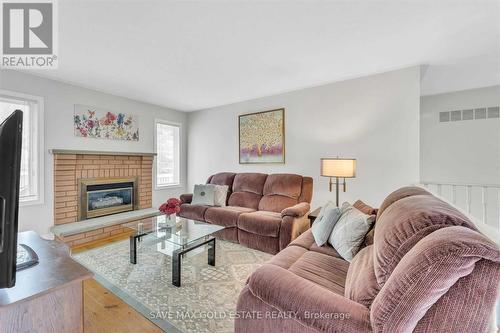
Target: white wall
(464,152)
(59,107)
(374,119)
(460,151)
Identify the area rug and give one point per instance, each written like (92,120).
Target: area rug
(206,300)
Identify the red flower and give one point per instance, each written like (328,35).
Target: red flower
(172,206)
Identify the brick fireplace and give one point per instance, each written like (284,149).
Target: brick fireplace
(71,168)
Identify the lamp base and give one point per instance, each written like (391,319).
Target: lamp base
(337,187)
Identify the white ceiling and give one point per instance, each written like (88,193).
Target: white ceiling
(191,55)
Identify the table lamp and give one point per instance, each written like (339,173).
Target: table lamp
(339,168)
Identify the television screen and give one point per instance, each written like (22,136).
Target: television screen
(10,167)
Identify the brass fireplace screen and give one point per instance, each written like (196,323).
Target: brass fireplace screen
(100,197)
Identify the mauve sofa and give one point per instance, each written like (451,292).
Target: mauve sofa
(263,212)
(428,270)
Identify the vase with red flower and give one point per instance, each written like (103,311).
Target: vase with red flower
(170,209)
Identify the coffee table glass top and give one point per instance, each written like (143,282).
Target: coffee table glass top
(182,232)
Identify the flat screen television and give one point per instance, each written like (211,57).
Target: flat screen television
(10,167)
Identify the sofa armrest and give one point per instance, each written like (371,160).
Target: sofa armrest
(312,305)
(186,198)
(298,210)
(291,228)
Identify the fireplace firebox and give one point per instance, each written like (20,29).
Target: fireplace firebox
(100,197)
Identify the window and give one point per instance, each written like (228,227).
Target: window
(31,184)
(167,136)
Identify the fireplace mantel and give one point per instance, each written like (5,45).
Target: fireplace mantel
(97,152)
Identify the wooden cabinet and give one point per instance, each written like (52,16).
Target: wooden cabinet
(48,297)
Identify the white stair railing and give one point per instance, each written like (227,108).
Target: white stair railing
(480,201)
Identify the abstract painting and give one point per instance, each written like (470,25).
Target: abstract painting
(262,137)
(92,122)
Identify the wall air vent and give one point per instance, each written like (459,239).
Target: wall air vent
(456,115)
(491,112)
(444,116)
(494,112)
(480,113)
(468,114)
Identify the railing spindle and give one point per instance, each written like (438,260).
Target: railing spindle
(484,200)
(468,200)
(498,226)
(454,194)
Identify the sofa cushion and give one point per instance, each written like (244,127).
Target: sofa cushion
(276,203)
(222,178)
(425,276)
(288,293)
(406,222)
(307,190)
(281,191)
(322,269)
(225,216)
(288,256)
(306,241)
(325,249)
(288,185)
(261,223)
(247,190)
(193,212)
(401,193)
(361,285)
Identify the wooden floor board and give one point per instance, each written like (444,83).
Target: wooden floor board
(104,312)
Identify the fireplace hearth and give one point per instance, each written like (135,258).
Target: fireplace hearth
(100,197)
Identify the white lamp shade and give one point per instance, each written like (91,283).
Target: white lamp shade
(338,167)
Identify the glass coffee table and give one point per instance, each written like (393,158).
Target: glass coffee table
(181,236)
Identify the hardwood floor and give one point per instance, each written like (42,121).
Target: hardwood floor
(105,312)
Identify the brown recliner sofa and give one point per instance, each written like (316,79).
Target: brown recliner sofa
(428,270)
(263,212)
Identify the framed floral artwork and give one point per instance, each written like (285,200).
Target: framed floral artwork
(262,137)
(92,122)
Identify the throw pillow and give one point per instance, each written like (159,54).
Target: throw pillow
(349,232)
(203,195)
(367,209)
(220,195)
(322,229)
(321,214)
